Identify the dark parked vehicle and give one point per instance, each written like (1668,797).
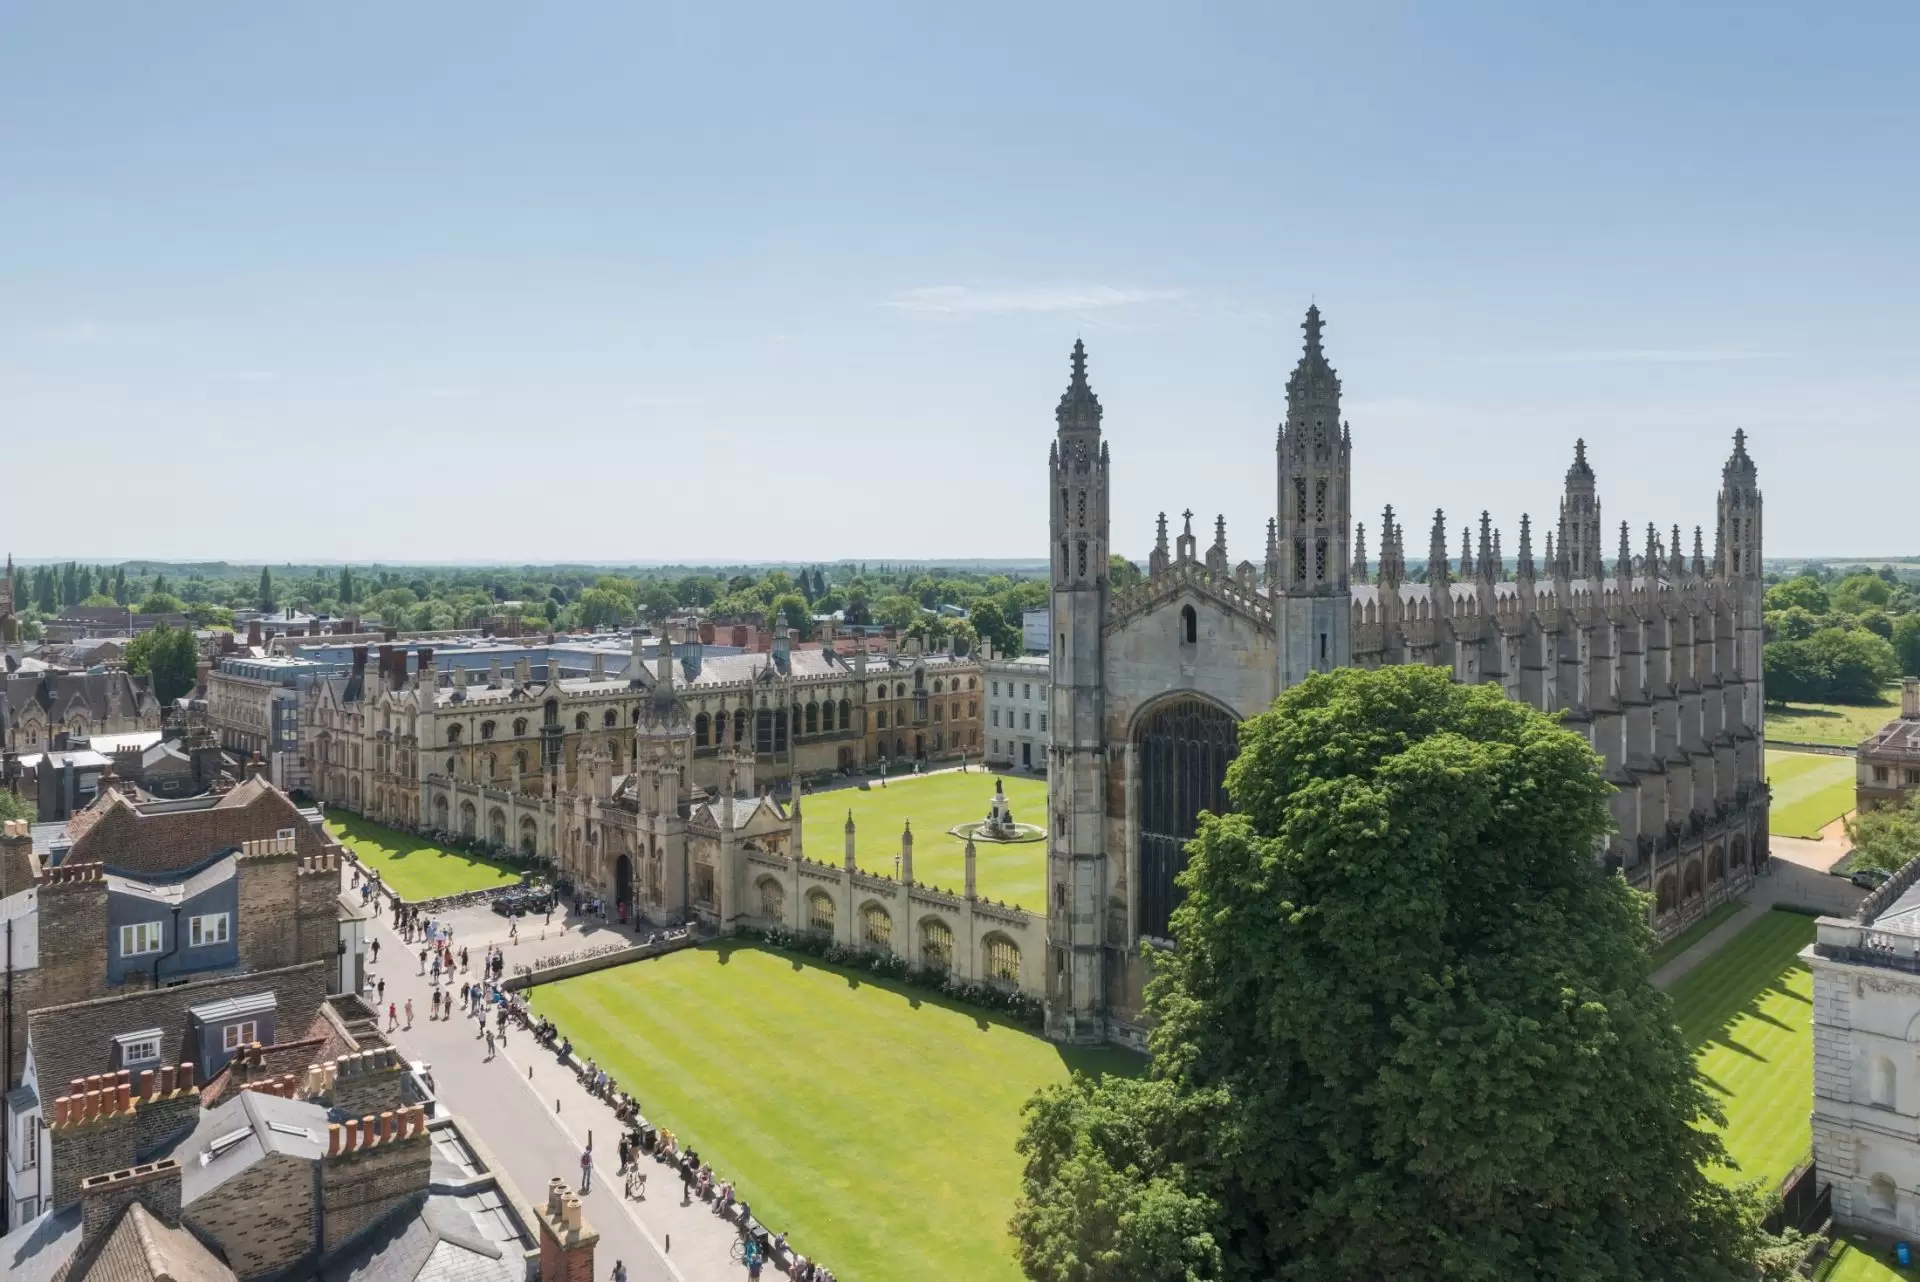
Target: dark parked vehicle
(518,903)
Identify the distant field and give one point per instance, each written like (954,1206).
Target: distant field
(1840,724)
(1810,791)
(1012,874)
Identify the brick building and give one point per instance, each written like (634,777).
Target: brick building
(133,904)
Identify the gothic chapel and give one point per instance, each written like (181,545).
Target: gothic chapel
(1655,659)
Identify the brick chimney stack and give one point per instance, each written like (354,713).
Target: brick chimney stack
(566,1240)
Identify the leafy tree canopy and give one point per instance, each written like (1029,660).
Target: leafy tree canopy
(162,603)
(168,657)
(1406,1030)
(1886,838)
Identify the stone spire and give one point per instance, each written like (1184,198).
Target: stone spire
(1739,513)
(1393,564)
(1623,568)
(1217,554)
(1553,562)
(1467,569)
(1676,559)
(1499,559)
(1699,557)
(1273,552)
(1079,407)
(1360,553)
(1651,559)
(1523,564)
(1183,545)
(1580,519)
(1157,561)
(1437,553)
(1485,562)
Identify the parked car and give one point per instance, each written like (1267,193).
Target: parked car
(1868,878)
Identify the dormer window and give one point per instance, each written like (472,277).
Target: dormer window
(135,1049)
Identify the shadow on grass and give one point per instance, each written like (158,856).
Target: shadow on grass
(1765,957)
(1098,1060)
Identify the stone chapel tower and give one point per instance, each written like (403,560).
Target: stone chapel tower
(1738,540)
(1077,769)
(1312,607)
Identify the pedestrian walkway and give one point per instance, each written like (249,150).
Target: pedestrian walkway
(535,1117)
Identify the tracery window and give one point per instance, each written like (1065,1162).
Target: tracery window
(453,734)
(520,725)
(611,719)
(820,911)
(580,722)
(875,926)
(1003,959)
(486,729)
(936,945)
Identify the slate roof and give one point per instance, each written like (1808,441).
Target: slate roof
(1898,740)
(40,1249)
(241,1131)
(56,692)
(434,1240)
(139,1248)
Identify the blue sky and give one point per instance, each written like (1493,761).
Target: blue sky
(514,282)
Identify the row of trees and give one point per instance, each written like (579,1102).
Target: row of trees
(908,599)
(1835,639)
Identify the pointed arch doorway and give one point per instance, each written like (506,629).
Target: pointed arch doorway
(623,886)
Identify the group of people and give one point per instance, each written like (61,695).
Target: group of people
(369,887)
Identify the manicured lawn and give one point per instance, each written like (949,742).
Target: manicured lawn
(874,1123)
(1810,791)
(1859,1262)
(1693,934)
(1012,874)
(1845,724)
(414,867)
(1748,1013)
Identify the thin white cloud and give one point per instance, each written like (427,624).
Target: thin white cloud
(1703,354)
(966,299)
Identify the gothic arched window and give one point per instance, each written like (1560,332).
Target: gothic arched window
(486,729)
(1189,625)
(611,719)
(700,731)
(1184,748)
(520,725)
(580,721)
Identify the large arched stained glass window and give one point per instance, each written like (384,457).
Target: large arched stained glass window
(1184,748)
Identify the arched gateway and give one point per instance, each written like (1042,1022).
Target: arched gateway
(1184,747)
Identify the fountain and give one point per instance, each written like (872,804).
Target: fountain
(999,825)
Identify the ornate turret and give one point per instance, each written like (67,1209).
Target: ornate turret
(1467,571)
(1157,560)
(1580,519)
(1217,554)
(1360,553)
(1699,556)
(1739,513)
(1484,565)
(1393,558)
(1437,572)
(1312,615)
(1523,565)
(1623,564)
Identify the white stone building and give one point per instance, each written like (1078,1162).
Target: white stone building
(1017,702)
(1866,1059)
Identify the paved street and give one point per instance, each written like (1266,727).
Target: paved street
(510,1103)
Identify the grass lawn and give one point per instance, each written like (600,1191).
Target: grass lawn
(1693,934)
(1845,724)
(414,867)
(1861,1262)
(1013,874)
(874,1123)
(1810,791)
(1748,1013)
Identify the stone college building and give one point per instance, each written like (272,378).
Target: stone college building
(1654,658)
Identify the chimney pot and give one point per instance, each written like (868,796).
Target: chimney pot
(184,1079)
(351,1132)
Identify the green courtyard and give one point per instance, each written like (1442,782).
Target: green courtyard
(1748,1013)
(1012,874)
(874,1123)
(1810,791)
(414,867)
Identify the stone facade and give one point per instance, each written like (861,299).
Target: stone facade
(1866,1059)
(42,710)
(268,1213)
(1656,660)
(1017,708)
(497,754)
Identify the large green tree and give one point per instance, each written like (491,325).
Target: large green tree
(1886,838)
(168,657)
(1406,1030)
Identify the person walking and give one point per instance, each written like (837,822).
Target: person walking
(489,1043)
(380,990)
(436,970)
(409,1012)
(619,1271)
(423,961)
(586,1170)
(376,950)
(393,1017)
